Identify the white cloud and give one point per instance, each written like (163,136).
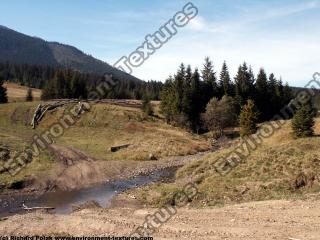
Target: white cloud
(292,55)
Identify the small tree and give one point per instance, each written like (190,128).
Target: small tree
(303,121)
(29,97)
(146,105)
(3,92)
(212,117)
(220,115)
(248,119)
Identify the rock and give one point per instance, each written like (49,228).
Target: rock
(152,157)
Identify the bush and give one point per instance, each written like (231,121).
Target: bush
(146,105)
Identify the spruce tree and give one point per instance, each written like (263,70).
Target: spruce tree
(244,81)
(225,83)
(187,95)
(188,76)
(167,100)
(303,121)
(179,83)
(261,95)
(3,92)
(248,119)
(59,85)
(196,106)
(29,97)
(209,80)
(49,91)
(287,94)
(274,96)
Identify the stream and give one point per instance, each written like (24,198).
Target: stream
(63,201)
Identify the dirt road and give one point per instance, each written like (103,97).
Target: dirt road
(287,220)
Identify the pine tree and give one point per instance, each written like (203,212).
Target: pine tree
(209,79)
(196,106)
(29,96)
(188,76)
(225,83)
(167,99)
(287,94)
(262,97)
(303,121)
(58,82)
(274,100)
(248,119)
(49,91)
(3,92)
(179,83)
(187,95)
(244,81)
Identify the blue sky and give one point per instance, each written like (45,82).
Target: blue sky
(282,36)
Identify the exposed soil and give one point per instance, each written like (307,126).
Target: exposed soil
(288,220)
(76,170)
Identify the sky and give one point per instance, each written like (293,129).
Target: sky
(283,36)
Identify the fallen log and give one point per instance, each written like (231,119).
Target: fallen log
(36,208)
(42,110)
(117,148)
(35,116)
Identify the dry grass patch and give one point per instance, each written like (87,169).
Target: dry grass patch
(106,126)
(282,167)
(95,133)
(17,93)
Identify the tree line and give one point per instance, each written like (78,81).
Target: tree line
(186,95)
(27,75)
(66,83)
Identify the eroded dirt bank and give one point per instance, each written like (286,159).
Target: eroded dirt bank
(76,170)
(249,221)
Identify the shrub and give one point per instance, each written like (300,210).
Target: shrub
(146,105)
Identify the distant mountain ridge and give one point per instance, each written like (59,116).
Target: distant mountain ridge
(19,48)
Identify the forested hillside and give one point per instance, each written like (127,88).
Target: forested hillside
(18,48)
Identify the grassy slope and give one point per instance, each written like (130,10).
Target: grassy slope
(104,126)
(16,133)
(281,167)
(17,93)
(108,125)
